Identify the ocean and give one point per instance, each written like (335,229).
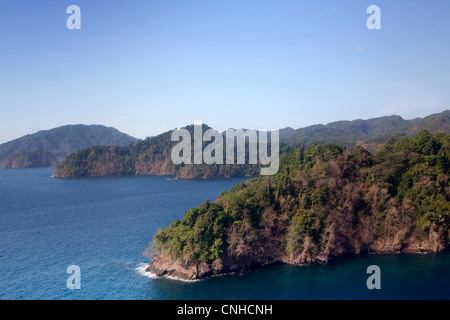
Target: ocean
(102,225)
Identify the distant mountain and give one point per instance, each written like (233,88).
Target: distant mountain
(370,134)
(153,155)
(38,149)
(36,159)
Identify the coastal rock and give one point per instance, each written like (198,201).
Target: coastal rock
(163,267)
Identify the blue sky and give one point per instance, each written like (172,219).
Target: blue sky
(145,66)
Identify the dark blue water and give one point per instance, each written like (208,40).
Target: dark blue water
(103,225)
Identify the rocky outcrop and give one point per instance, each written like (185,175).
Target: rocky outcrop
(163,267)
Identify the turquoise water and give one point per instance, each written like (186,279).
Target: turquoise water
(103,225)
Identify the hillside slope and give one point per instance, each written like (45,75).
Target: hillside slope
(62,141)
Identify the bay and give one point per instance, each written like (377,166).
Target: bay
(104,224)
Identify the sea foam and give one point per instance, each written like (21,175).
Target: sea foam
(142,267)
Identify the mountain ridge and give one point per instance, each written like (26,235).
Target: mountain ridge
(152,155)
(350,133)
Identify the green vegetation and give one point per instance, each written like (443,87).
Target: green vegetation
(324,202)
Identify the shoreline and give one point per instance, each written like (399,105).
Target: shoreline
(177,271)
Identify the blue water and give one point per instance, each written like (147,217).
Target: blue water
(103,225)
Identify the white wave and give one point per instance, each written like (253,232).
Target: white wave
(142,267)
(141,270)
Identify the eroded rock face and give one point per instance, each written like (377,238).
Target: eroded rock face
(164,267)
(270,250)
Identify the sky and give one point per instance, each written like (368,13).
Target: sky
(145,67)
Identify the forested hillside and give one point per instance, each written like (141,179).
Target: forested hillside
(325,202)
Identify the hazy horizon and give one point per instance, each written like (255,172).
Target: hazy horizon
(220,129)
(148,67)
